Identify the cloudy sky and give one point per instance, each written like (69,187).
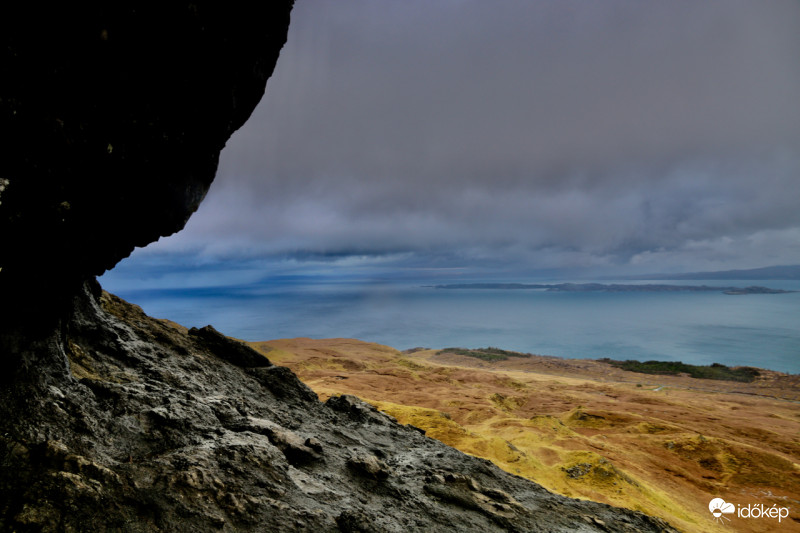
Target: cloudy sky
(509,139)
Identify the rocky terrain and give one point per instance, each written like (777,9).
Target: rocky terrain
(145,426)
(112,119)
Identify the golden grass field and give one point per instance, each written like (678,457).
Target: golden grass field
(663,445)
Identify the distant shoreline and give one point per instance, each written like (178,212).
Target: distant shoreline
(614,287)
(714,371)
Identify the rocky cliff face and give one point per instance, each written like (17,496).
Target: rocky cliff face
(113,117)
(150,427)
(112,122)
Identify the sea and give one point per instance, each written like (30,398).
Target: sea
(761,330)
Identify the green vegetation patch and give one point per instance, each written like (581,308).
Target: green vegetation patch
(714,371)
(487,354)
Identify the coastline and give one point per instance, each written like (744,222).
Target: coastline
(613,287)
(769,384)
(664,445)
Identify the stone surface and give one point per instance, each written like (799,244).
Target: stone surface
(113,116)
(136,425)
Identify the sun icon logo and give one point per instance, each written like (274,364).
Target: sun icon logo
(720,507)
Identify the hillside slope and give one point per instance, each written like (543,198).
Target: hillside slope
(664,445)
(142,425)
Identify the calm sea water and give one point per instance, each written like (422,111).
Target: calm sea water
(699,328)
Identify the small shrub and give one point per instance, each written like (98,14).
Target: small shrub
(487,354)
(717,371)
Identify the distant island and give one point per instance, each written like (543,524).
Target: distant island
(614,287)
(783,272)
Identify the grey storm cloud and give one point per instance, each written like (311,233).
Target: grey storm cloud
(557,132)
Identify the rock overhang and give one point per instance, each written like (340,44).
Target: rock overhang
(114,117)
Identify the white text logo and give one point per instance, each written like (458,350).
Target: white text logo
(719,508)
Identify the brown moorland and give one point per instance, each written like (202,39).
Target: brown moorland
(663,445)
